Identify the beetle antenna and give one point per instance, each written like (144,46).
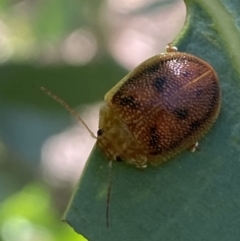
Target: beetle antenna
(68,108)
(109,193)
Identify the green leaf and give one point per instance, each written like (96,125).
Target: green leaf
(195,196)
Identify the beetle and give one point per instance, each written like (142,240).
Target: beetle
(164,106)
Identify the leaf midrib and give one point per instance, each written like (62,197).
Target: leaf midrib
(226,26)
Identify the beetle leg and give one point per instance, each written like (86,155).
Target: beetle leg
(194,147)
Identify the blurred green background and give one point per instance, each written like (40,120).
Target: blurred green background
(78,49)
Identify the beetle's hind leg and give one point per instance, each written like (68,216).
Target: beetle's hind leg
(194,147)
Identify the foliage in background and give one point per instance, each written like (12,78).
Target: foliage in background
(29,215)
(31,30)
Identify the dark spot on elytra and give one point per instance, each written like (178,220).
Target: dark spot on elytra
(199,92)
(154,141)
(159,83)
(197,124)
(129,101)
(181,114)
(193,127)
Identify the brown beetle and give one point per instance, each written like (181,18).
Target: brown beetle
(164,106)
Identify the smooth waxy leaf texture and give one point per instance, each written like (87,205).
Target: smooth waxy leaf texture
(195,196)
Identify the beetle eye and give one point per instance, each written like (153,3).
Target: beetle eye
(118,159)
(99,132)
